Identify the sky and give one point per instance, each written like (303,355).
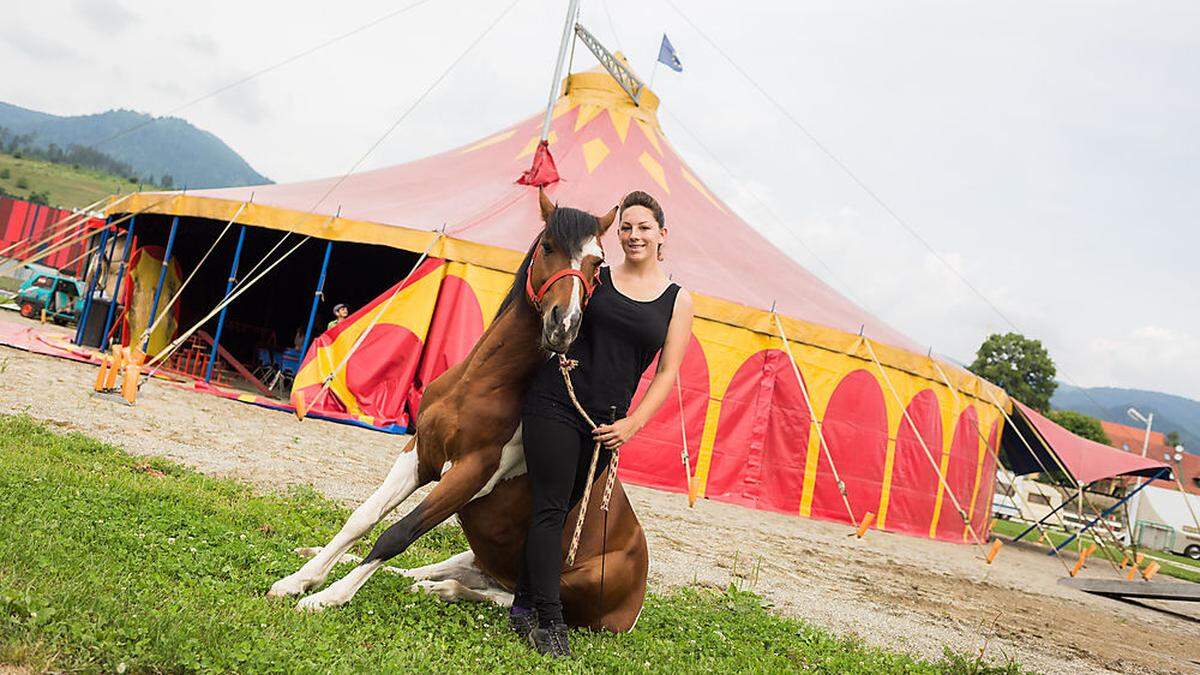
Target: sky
(1047,151)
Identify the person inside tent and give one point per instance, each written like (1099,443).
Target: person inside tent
(340,312)
(635,313)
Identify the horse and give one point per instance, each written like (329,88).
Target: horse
(468,439)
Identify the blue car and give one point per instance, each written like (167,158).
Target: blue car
(58,293)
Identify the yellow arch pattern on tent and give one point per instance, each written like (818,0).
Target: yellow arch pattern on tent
(948,405)
(489,287)
(412,309)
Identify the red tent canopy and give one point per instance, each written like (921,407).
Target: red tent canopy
(1086,460)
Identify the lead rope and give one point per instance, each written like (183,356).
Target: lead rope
(565,366)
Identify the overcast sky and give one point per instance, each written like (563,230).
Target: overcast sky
(1049,150)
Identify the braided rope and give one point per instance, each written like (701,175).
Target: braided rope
(565,366)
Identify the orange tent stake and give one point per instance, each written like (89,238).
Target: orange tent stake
(1150,570)
(994,550)
(102,373)
(867,521)
(110,379)
(133,369)
(1133,570)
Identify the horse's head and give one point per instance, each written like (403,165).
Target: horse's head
(562,268)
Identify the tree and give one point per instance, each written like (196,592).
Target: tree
(1020,365)
(1173,439)
(167,180)
(1081,425)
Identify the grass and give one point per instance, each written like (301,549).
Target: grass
(65,186)
(1189,571)
(114,563)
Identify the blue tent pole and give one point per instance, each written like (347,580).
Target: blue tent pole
(312,313)
(112,306)
(1162,473)
(237,255)
(162,277)
(1058,508)
(87,302)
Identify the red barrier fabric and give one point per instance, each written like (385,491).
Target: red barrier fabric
(29,224)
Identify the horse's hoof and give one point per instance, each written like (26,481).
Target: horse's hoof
(448,590)
(288,586)
(319,601)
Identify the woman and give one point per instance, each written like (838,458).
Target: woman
(634,313)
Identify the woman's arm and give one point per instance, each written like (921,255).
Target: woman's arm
(679,334)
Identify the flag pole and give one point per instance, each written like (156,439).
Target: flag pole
(567,36)
(653,72)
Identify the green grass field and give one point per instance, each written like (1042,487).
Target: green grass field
(1189,572)
(65,186)
(115,563)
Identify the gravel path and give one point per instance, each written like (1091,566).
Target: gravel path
(897,592)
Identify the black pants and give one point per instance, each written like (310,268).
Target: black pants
(557,456)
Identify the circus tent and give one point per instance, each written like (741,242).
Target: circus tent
(912,438)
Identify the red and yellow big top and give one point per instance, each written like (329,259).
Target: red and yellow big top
(892,418)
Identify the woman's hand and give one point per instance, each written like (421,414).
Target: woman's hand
(614,435)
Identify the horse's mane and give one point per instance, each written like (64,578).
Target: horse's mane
(570,229)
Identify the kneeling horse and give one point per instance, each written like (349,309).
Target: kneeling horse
(468,440)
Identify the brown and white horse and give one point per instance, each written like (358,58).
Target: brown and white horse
(469,441)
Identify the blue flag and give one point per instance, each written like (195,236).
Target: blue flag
(668,57)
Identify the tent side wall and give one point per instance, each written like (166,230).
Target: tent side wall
(747,426)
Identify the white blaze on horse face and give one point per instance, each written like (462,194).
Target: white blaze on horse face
(574,313)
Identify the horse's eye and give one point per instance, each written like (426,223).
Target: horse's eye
(545,247)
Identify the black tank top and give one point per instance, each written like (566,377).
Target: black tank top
(617,341)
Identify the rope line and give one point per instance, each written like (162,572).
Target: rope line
(841,485)
(1011,490)
(256,74)
(565,366)
(417,102)
(61,225)
(302,408)
(163,312)
(220,305)
(925,447)
(845,168)
(70,241)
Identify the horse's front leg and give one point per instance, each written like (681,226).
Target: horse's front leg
(459,485)
(402,480)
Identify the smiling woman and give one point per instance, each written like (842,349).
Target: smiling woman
(621,334)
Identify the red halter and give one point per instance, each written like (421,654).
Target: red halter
(589,285)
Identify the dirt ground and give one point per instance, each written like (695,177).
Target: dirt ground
(898,592)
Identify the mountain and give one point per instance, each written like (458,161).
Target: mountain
(156,147)
(1171,413)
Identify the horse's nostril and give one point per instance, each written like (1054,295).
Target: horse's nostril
(555,314)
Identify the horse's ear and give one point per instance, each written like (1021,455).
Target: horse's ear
(606,221)
(546,204)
